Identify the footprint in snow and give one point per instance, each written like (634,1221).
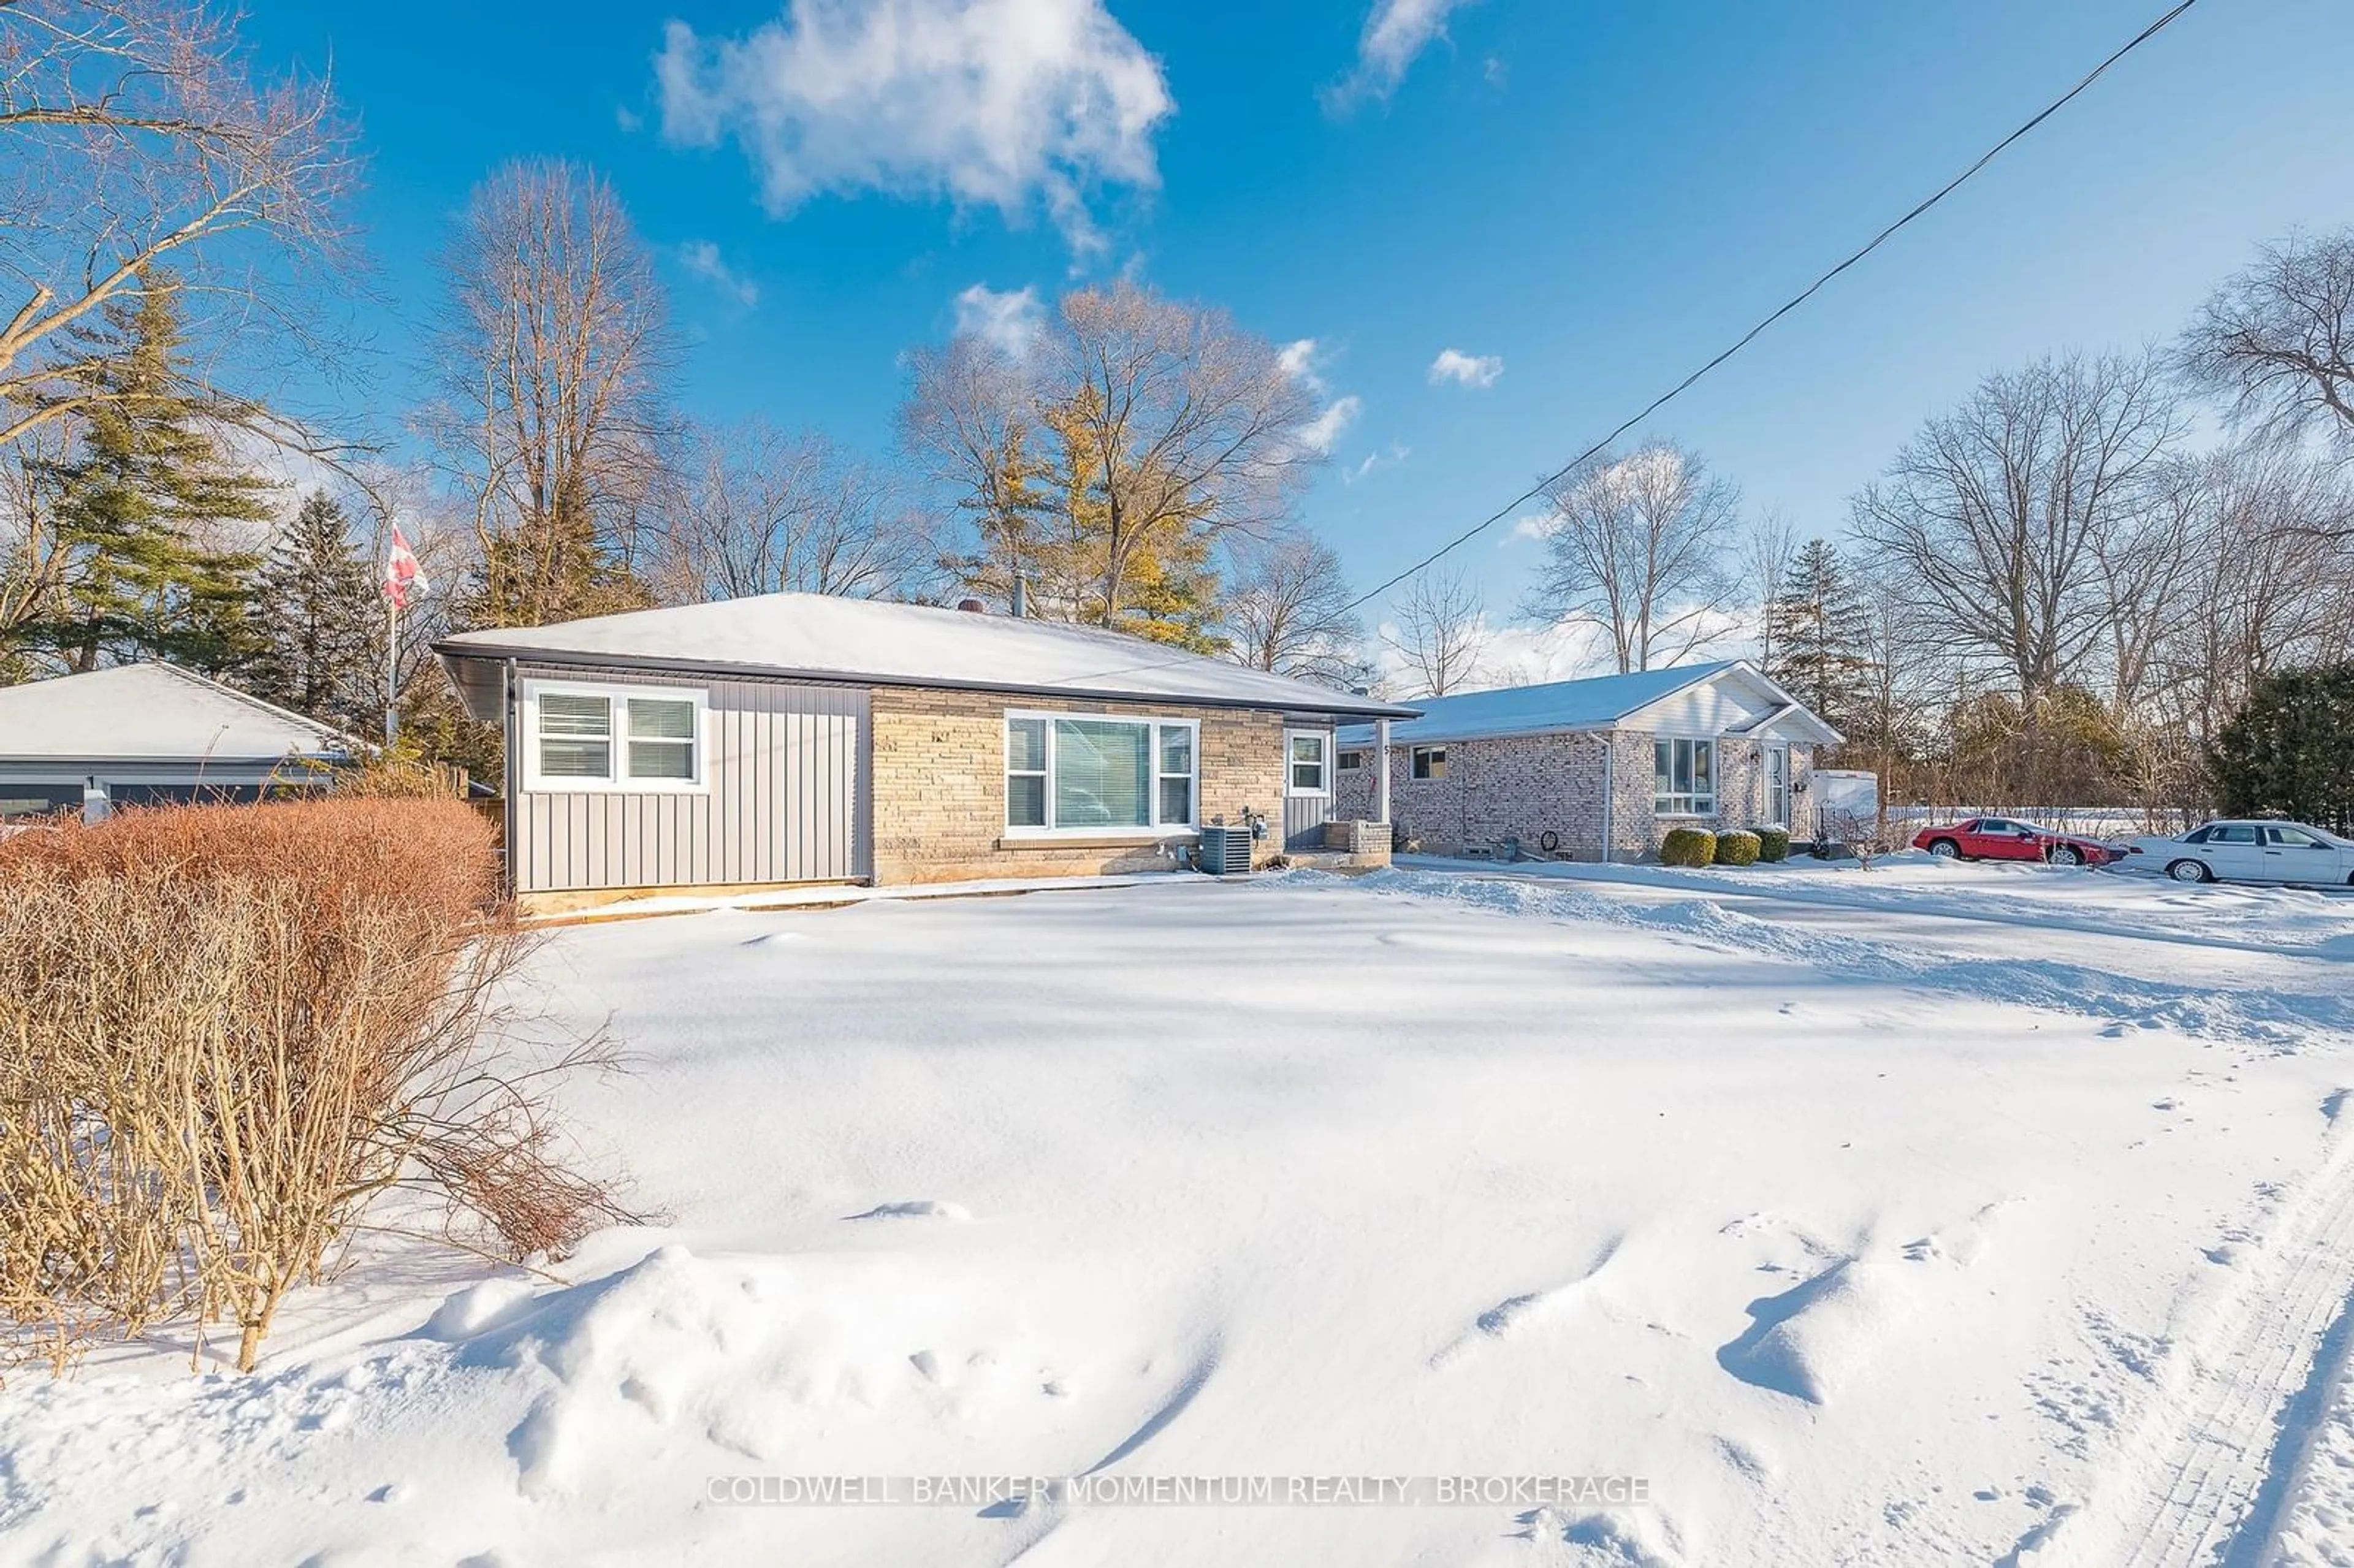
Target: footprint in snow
(1507,1315)
(923,1209)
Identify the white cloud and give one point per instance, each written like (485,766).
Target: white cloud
(1299,361)
(1395,32)
(1303,360)
(1467,369)
(1321,433)
(1008,319)
(992,102)
(1537,525)
(702,258)
(1375,462)
(627,119)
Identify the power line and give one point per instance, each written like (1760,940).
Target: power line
(1811,290)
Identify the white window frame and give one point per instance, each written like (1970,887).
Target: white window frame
(618,780)
(1432,770)
(1343,756)
(1692,802)
(1157,828)
(1323,739)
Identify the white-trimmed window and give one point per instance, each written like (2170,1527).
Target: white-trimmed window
(1683,777)
(1099,773)
(613,737)
(1351,760)
(1307,762)
(1429,762)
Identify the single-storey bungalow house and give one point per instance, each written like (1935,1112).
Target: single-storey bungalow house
(146,734)
(792,738)
(1594,769)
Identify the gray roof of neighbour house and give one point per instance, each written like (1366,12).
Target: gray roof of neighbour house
(153,712)
(1599,702)
(820,637)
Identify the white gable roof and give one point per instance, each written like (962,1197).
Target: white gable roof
(1672,700)
(868,641)
(153,712)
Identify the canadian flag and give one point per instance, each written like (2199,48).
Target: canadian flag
(401,572)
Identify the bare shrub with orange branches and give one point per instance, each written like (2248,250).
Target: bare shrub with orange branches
(224,1030)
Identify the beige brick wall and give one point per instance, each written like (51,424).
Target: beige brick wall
(1526,785)
(939,785)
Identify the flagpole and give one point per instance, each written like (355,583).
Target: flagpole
(391,664)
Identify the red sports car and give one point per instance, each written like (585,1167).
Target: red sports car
(1999,838)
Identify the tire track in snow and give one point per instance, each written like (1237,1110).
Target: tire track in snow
(2189,1476)
(2205,1465)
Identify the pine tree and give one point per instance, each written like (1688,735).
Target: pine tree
(550,566)
(1165,589)
(141,502)
(2291,749)
(1821,635)
(321,620)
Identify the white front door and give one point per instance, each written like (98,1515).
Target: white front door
(1777,786)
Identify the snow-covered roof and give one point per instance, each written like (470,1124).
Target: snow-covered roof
(153,712)
(868,641)
(1599,702)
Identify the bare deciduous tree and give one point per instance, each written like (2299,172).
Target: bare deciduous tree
(1995,515)
(2278,338)
(554,355)
(1134,433)
(35,560)
(1441,632)
(1187,419)
(135,134)
(967,419)
(1640,546)
(761,511)
(1287,610)
(2266,581)
(1767,558)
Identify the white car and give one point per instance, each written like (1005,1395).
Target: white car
(2250,851)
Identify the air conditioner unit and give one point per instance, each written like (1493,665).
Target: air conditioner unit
(1225,852)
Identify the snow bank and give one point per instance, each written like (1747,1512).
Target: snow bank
(1852,1225)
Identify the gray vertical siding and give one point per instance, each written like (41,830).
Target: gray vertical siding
(1304,816)
(787,801)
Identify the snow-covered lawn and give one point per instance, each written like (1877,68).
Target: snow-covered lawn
(1935,1214)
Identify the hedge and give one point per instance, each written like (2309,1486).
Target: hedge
(1737,848)
(224,1029)
(1773,845)
(1688,846)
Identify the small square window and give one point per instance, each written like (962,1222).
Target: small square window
(1429,762)
(1351,761)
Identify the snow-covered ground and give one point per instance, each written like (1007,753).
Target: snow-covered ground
(1935,1214)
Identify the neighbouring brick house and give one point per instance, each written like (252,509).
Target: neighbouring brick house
(1596,769)
(795,738)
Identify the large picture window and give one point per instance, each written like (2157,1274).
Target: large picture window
(1684,782)
(633,739)
(1086,774)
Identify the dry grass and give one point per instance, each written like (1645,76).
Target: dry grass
(224,1029)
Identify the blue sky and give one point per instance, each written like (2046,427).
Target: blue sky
(1599,196)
